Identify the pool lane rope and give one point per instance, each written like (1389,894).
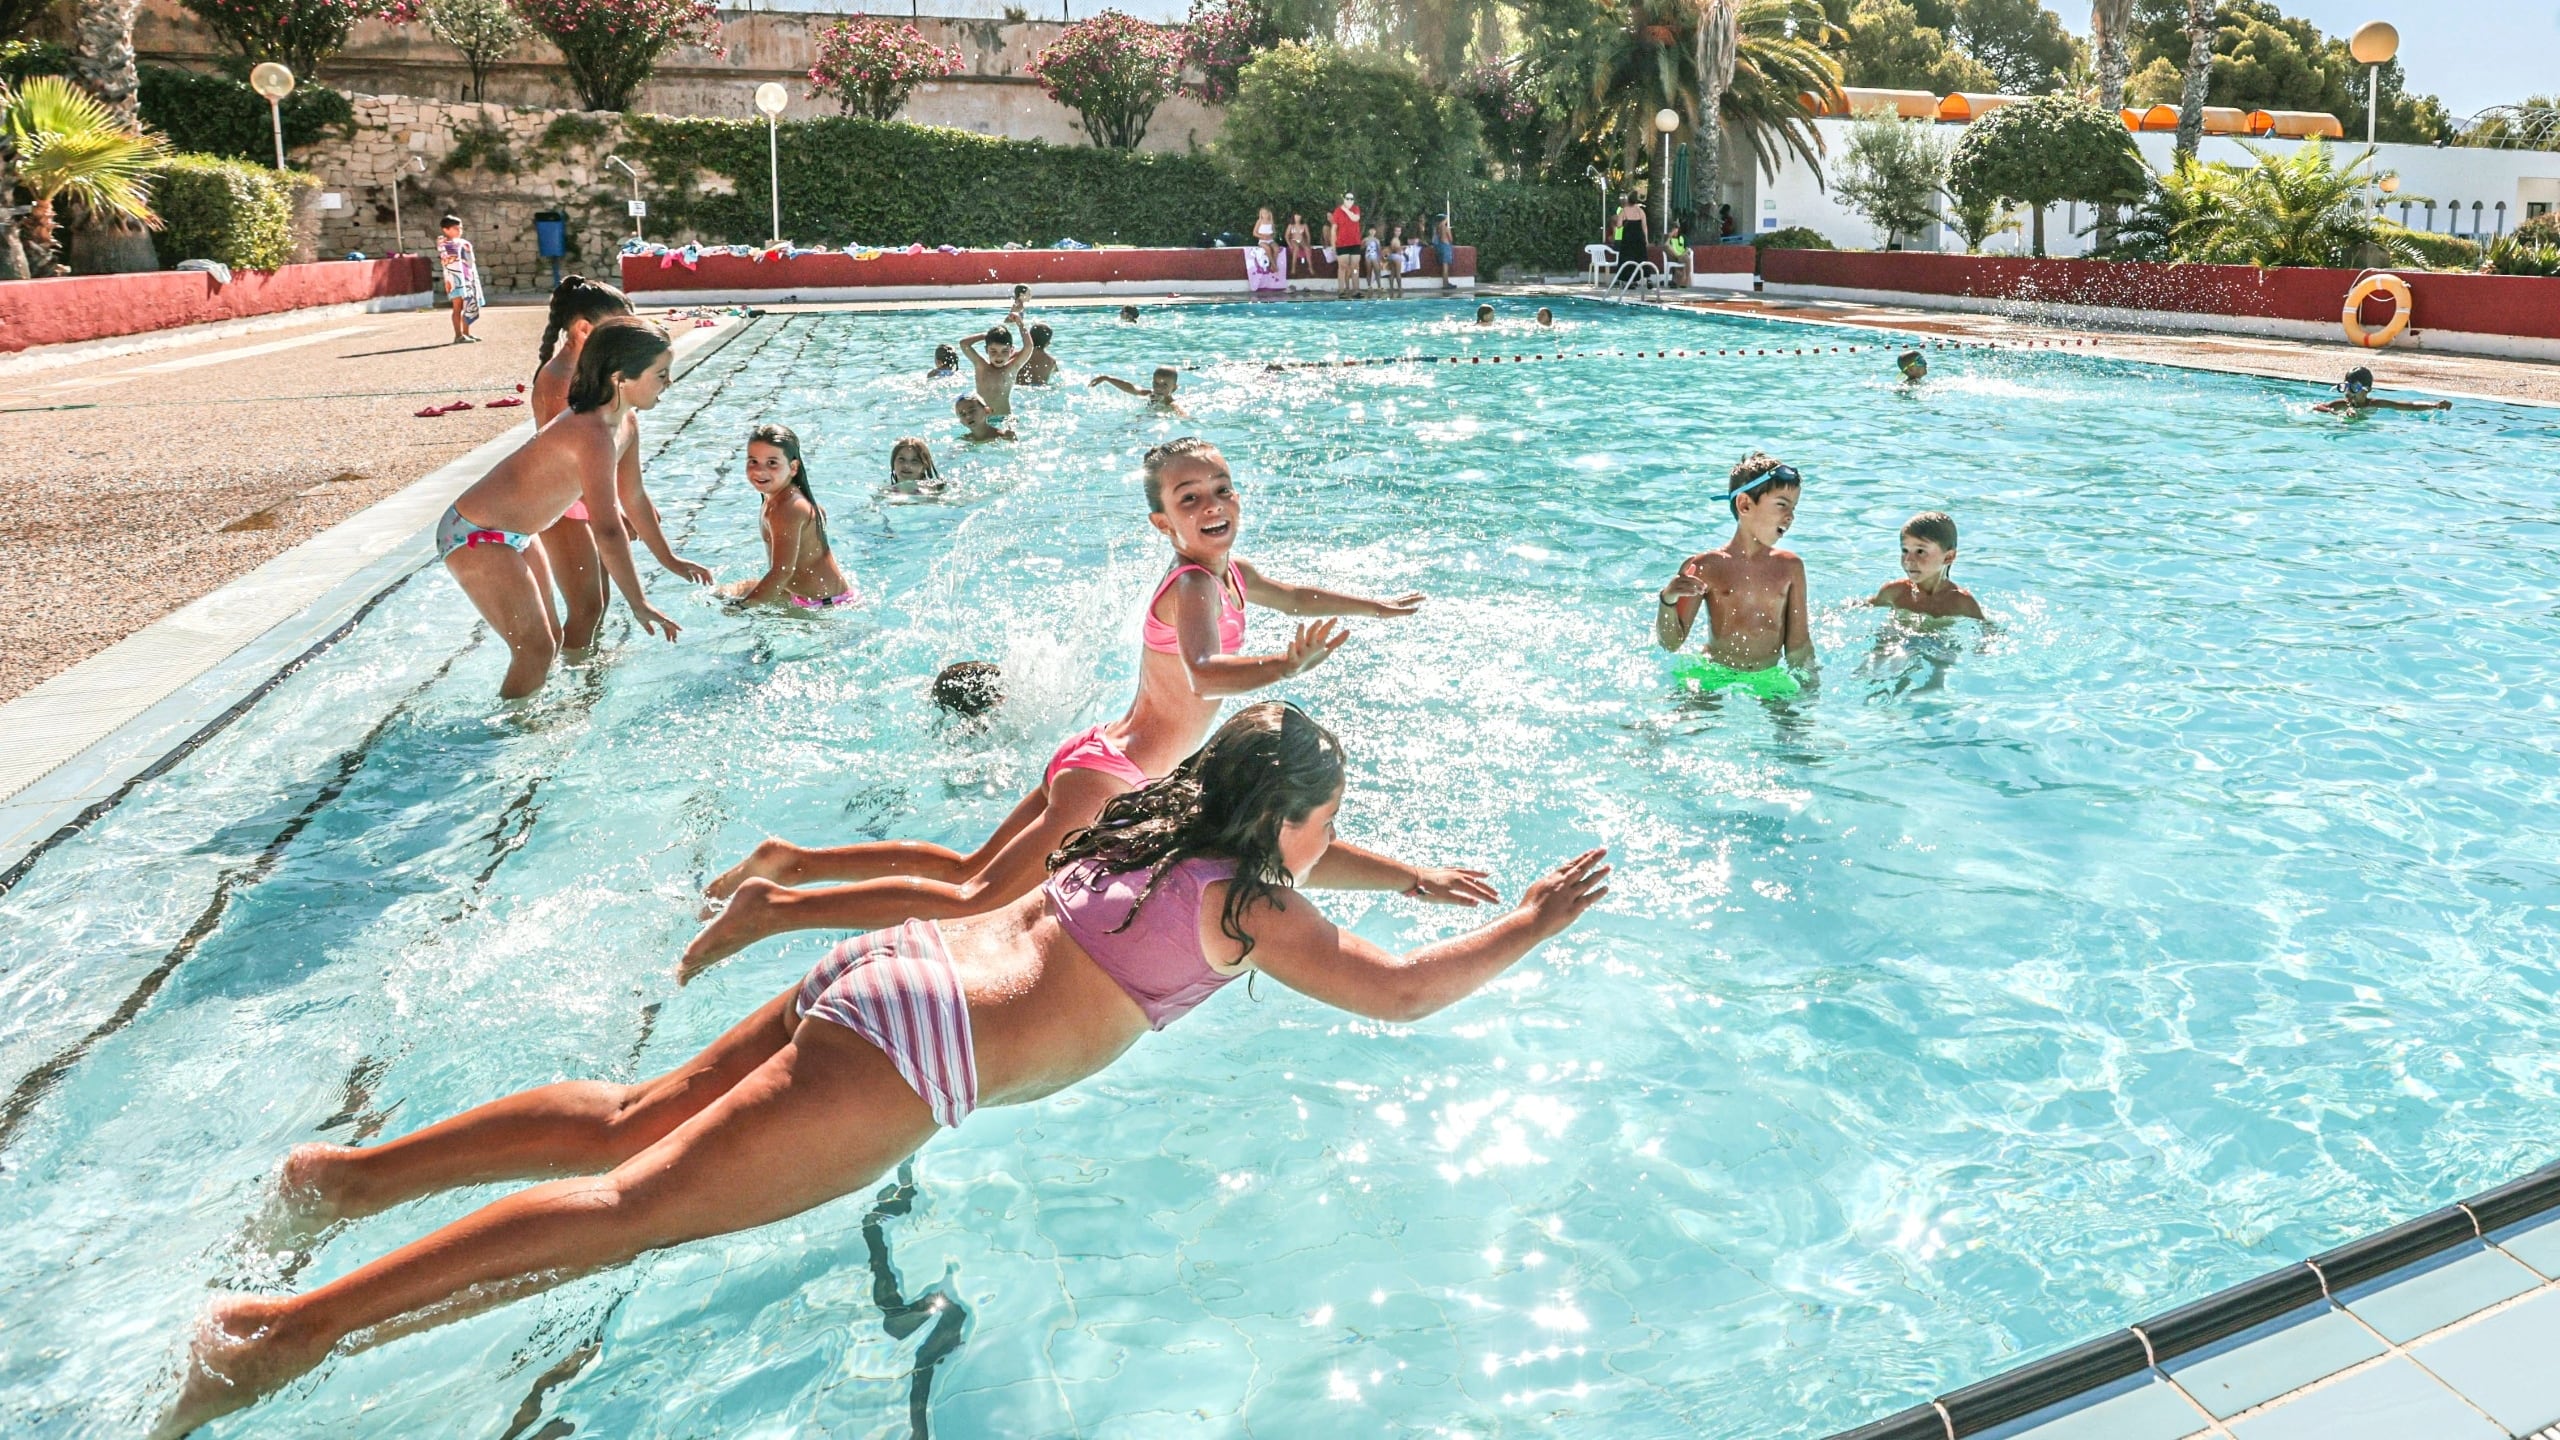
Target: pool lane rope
(1698,353)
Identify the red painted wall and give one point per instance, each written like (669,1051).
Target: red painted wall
(97,307)
(967,267)
(1723,259)
(2479,304)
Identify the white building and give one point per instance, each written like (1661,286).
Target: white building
(2453,190)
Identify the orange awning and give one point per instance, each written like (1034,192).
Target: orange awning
(1963,109)
(2295,124)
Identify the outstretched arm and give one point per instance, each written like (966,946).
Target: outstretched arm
(1345,866)
(1295,945)
(2381,404)
(1214,674)
(1310,600)
(1117,383)
(642,515)
(597,473)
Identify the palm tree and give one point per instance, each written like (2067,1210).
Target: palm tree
(66,142)
(2108,20)
(2199,77)
(103,60)
(1718,51)
(2299,209)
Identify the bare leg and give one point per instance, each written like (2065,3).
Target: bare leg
(579,572)
(576,1127)
(502,584)
(787,864)
(825,1115)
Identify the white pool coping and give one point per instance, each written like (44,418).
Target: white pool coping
(75,740)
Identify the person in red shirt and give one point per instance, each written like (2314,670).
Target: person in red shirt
(1346,247)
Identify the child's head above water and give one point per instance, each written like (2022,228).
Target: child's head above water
(773,461)
(1041,335)
(1761,492)
(945,357)
(1129,313)
(1928,547)
(998,338)
(911,462)
(2359,381)
(1166,380)
(1484,314)
(1913,364)
(968,689)
(1174,461)
(970,409)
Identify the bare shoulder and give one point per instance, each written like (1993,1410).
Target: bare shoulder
(1282,923)
(1894,596)
(1966,605)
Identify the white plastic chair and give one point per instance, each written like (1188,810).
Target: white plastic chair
(1603,262)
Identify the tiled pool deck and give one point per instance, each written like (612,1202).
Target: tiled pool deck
(2462,1343)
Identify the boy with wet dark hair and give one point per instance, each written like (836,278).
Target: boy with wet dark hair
(1753,593)
(1128,314)
(973,414)
(969,689)
(1928,557)
(1159,394)
(2356,393)
(996,369)
(946,363)
(1042,366)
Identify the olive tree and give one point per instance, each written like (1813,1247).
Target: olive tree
(1891,172)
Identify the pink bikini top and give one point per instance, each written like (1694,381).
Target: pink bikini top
(1155,956)
(1163,637)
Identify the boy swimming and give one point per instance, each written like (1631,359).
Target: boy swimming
(1128,314)
(946,363)
(1913,365)
(1484,315)
(2356,393)
(1752,591)
(973,413)
(968,689)
(1928,553)
(997,368)
(1159,396)
(1546,318)
(1042,365)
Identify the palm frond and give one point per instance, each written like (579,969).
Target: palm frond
(69,143)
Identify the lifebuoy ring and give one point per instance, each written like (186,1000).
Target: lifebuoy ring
(2353,316)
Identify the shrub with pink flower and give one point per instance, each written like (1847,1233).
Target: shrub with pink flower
(1221,38)
(297,33)
(611,46)
(1114,70)
(872,66)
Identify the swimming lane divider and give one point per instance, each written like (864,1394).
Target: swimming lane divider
(1696,353)
(2146,1344)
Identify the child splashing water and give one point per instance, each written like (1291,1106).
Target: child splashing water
(568,546)
(1752,592)
(1193,631)
(486,534)
(802,570)
(1176,890)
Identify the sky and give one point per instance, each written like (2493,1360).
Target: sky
(2471,54)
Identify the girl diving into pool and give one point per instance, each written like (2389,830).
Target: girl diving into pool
(1193,630)
(486,536)
(568,546)
(803,570)
(1180,887)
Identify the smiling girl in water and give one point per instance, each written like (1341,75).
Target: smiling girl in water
(568,545)
(485,535)
(1180,888)
(802,569)
(1194,628)
(911,468)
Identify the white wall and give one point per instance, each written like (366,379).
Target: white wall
(2521,178)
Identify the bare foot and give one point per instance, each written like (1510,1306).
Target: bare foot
(239,1355)
(770,860)
(750,916)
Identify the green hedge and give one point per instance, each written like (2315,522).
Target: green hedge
(1540,228)
(215,208)
(217,115)
(2444,252)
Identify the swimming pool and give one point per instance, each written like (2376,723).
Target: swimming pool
(2194,919)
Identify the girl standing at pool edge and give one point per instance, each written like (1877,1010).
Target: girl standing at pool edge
(1193,628)
(568,546)
(486,536)
(802,571)
(1180,887)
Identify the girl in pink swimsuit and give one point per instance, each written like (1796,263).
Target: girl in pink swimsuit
(569,546)
(1181,887)
(1194,633)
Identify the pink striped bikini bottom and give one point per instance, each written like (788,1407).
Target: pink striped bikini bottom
(896,988)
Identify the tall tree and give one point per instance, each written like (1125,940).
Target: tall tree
(1888,45)
(2198,77)
(1718,45)
(102,59)
(2023,43)
(2107,22)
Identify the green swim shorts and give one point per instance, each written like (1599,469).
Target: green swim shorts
(1704,676)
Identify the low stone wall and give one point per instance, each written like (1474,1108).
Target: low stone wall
(991,95)
(100,307)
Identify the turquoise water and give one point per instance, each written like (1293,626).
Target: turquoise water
(2007,987)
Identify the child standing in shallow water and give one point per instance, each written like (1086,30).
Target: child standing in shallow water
(1752,591)
(802,571)
(1928,557)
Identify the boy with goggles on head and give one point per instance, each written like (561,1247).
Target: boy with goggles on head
(2356,393)
(1752,592)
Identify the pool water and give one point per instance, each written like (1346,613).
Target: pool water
(2013,983)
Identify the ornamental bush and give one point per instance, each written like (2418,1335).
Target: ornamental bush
(611,46)
(297,33)
(1113,70)
(217,115)
(1311,121)
(1221,38)
(213,208)
(872,66)
(2044,151)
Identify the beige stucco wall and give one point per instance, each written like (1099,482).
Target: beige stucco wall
(991,95)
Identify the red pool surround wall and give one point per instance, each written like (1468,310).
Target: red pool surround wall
(100,307)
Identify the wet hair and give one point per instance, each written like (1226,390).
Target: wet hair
(1935,526)
(1748,470)
(1167,372)
(1484,312)
(1129,313)
(969,688)
(1040,336)
(1188,447)
(784,439)
(1021,290)
(945,357)
(621,347)
(450,222)
(579,298)
(998,335)
(2360,376)
(923,451)
(1909,358)
(1545,313)
(1269,766)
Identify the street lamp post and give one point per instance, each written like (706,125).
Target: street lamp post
(639,211)
(274,82)
(2375,42)
(771,98)
(1665,120)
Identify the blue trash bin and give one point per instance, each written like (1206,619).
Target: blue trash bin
(551,238)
